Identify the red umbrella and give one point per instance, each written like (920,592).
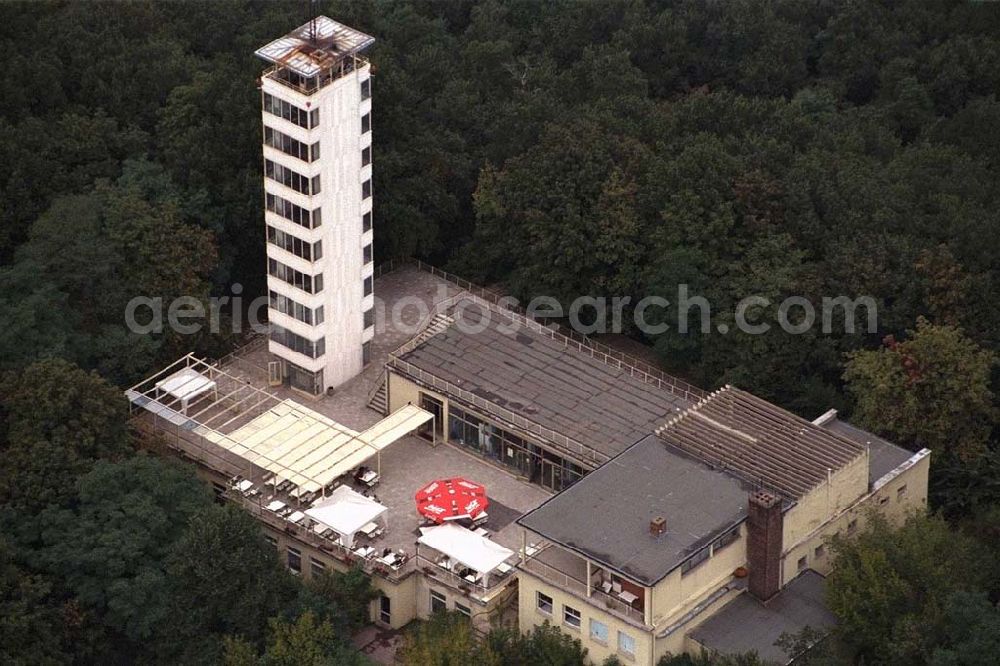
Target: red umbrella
(448,499)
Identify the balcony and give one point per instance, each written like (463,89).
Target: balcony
(312,84)
(435,569)
(568,572)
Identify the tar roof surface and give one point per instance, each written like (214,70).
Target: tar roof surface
(547,382)
(746,624)
(605,516)
(884,455)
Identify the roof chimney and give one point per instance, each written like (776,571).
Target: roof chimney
(658,526)
(765,524)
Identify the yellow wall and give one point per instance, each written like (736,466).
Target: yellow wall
(844,488)
(529,616)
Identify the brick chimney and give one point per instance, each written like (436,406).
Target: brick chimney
(658,526)
(764,544)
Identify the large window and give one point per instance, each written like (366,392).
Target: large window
(293,213)
(523,458)
(290,146)
(438,602)
(598,631)
(293,179)
(304,380)
(544,603)
(317,567)
(290,112)
(463,609)
(297,343)
(294,244)
(571,617)
(626,644)
(308,283)
(285,305)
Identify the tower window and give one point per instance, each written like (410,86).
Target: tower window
(368,253)
(366,89)
(366,189)
(366,222)
(366,123)
(368,285)
(366,156)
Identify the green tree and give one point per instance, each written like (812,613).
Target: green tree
(891,586)
(58,420)
(931,390)
(972,628)
(306,641)
(446,639)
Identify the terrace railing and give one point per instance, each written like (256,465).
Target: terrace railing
(577,587)
(453,580)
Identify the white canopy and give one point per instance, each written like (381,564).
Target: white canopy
(465,546)
(185,385)
(345,512)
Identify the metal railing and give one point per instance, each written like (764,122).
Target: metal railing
(323,79)
(577,587)
(445,575)
(572,339)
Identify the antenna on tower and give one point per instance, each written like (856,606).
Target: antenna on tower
(313,13)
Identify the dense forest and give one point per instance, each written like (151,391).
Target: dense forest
(614,147)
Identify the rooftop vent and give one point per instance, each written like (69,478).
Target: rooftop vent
(658,526)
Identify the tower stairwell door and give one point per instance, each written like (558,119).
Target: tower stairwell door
(274,373)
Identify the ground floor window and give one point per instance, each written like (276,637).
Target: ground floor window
(599,632)
(626,644)
(525,459)
(366,353)
(544,603)
(305,380)
(438,602)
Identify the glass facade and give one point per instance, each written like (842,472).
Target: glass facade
(523,458)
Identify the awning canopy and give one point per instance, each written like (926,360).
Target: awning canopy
(465,546)
(346,511)
(185,385)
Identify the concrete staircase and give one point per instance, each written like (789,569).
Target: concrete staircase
(379,398)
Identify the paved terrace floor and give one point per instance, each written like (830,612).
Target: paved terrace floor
(411,462)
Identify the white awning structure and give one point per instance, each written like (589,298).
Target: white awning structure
(465,546)
(185,385)
(346,512)
(291,442)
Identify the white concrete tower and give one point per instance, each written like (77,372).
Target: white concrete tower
(316,101)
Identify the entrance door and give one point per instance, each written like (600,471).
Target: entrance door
(274,373)
(385,610)
(435,407)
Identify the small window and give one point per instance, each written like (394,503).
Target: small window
(369,318)
(819,551)
(571,617)
(295,560)
(368,285)
(314,152)
(367,254)
(694,561)
(366,353)
(219,489)
(726,539)
(366,189)
(544,603)
(626,644)
(366,122)
(801,565)
(366,89)
(314,118)
(598,632)
(366,156)
(316,566)
(366,221)
(438,602)
(315,185)
(900,492)
(464,610)
(882,500)
(852,526)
